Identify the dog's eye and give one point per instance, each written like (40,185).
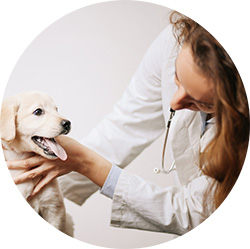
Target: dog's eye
(38,112)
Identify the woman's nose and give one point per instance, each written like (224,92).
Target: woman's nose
(180,100)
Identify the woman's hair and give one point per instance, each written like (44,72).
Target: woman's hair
(224,156)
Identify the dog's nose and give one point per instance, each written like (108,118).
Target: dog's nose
(66,124)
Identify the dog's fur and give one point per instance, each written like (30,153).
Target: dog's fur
(24,116)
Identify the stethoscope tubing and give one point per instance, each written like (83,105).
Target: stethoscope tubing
(163,170)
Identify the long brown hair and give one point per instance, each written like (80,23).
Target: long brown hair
(224,156)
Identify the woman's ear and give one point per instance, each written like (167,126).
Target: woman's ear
(8,120)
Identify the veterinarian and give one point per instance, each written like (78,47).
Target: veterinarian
(187,69)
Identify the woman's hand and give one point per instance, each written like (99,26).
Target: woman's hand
(80,159)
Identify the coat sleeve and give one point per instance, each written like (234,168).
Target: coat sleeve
(136,121)
(141,205)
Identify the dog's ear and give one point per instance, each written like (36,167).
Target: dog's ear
(8,119)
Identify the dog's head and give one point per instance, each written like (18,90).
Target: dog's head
(30,122)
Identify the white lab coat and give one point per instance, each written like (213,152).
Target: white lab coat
(176,209)
(136,121)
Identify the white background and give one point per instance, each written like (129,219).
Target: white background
(22,21)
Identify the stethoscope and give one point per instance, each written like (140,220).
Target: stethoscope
(172,167)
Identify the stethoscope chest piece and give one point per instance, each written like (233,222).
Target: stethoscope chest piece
(171,168)
(157,170)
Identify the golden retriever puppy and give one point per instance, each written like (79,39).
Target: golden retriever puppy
(29,123)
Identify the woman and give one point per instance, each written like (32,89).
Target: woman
(208,165)
(225,155)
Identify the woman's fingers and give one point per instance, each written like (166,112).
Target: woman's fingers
(33,173)
(41,184)
(26,163)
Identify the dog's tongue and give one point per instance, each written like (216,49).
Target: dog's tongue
(57,149)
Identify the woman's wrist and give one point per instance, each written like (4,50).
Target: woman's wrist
(85,161)
(93,166)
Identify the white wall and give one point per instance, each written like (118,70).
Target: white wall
(85,61)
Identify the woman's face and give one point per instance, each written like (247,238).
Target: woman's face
(195,91)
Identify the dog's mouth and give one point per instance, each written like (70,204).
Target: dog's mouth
(50,147)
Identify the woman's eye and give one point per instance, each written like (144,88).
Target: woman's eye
(205,107)
(38,112)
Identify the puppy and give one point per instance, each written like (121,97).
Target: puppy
(29,123)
